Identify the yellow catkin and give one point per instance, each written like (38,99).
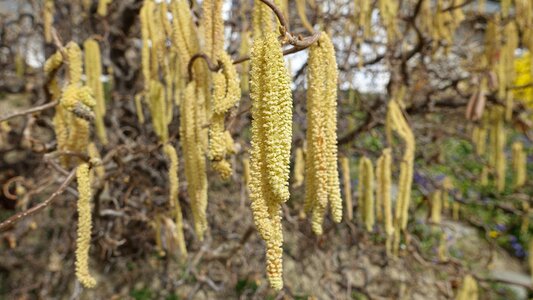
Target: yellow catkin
(384,185)
(479,135)
(447,186)
(379,198)
(366,192)
(53,63)
(174,202)
(194,154)
(455,210)
(145,37)
(299,167)
(96,161)
(436,207)
(497,153)
(213,26)
(322,176)
(74,63)
(398,123)
(300,8)
(271,142)
(83,240)
(443,249)
(101,10)
(48,19)
(347,183)
(388,11)
(245,66)
(93,71)
(519,165)
(158,107)
(468,290)
(226,93)
(262,20)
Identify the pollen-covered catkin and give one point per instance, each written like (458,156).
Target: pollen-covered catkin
(226,93)
(299,167)
(101,10)
(93,72)
(271,141)
(347,183)
(384,186)
(469,289)
(519,164)
(213,26)
(366,192)
(83,240)
(497,136)
(191,132)
(436,207)
(174,202)
(48,19)
(398,123)
(322,176)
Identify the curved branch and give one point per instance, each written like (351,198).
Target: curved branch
(213,67)
(14,219)
(28,111)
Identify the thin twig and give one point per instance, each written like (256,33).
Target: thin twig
(21,215)
(28,111)
(308,42)
(210,64)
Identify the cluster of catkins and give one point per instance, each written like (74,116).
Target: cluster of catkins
(492,127)
(78,104)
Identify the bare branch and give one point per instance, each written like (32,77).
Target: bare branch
(21,215)
(28,111)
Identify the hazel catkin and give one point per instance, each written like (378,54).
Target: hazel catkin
(271,141)
(84,227)
(322,176)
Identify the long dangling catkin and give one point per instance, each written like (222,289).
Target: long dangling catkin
(300,8)
(436,207)
(347,183)
(76,103)
(194,153)
(173,179)
(48,19)
(145,50)
(83,240)
(299,167)
(366,192)
(379,197)
(447,186)
(469,289)
(93,71)
(262,20)
(157,105)
(384,186)
(399,124)
(246,171)
(479,135)
(271,141)
(519,164)
(498,146)
(322,176)
(213,26)
(244,50)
